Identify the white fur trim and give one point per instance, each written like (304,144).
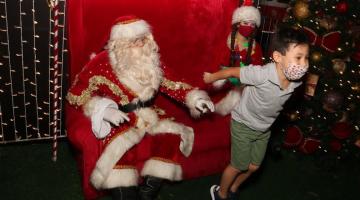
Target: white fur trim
(147,117)
(132,30)
(227,104)
(186,133)
(112,153)
(247,13)
(94,109)
(121,178)
(160,169)
(192,97)
(219,84)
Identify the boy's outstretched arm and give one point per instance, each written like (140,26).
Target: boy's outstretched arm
(222,74)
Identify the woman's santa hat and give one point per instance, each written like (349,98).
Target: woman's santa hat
(129,27)
(247,13)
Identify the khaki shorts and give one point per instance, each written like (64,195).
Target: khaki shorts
(247,146)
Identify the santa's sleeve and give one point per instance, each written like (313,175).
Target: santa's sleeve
(181,91)
(86,94)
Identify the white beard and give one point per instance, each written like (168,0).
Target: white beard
(137,68)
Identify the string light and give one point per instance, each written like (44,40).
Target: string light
(20,123)
(10,73)
(35,66)
(22,64)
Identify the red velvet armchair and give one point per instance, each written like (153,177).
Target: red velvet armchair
(192,39)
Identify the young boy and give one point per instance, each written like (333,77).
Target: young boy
(267,89)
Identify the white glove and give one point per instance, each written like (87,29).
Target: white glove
(115,116)
(219,84)
(205,105)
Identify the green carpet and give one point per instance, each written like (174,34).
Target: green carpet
(27,172)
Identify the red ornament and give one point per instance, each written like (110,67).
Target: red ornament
(335,145)
(342,7)
(341,130)
(356,56)
(309,146)
(293,137)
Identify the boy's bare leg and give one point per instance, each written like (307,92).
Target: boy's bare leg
(227,179)
(242,177)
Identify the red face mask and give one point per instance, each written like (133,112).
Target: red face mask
(246,30)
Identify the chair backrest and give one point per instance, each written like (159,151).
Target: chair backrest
(190,33)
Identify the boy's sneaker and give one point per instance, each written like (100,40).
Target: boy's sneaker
(214,190)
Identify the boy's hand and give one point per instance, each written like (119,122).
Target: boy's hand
(207,77)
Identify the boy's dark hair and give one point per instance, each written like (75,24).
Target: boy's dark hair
(285,36)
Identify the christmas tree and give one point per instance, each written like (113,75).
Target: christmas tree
(324,119)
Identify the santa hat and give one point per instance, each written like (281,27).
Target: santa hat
(248,13)
(129,27)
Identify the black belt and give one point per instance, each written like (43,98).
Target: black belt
(130,107)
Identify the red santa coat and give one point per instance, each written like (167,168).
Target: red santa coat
(120,152)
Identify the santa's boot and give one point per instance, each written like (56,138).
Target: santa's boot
(150,188)
(124,193)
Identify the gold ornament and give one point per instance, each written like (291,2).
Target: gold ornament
(344,116)
(316,56)
(293,115)
(357,141)
(355,87)
(339,65)
(301,10)
(327,22)
(311,83)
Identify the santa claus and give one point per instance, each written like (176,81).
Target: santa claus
(116,90)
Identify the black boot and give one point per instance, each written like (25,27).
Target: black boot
(124,193)
(150,188)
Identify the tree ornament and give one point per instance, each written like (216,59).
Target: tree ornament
(301,10)
(332,101)
(344,116)
(357,142)
(327,22)
(293,115)
(309,145)
(293,137)
(316,56)
(311,83)
(342,7)
(329,41)
(339,65)
(335,145)
(341,130)
(355,87)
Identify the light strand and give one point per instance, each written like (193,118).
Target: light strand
(62,62)
(10,68)
(22,66)
(35,68)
